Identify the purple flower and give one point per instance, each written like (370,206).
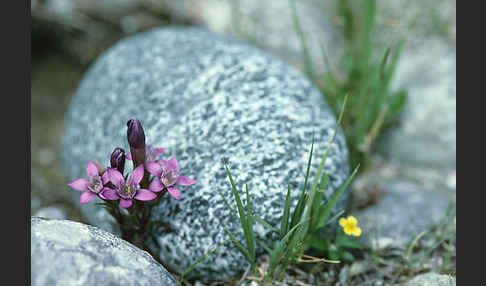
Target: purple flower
(151,153)
(135,133)
(126,191)
(97,178)
(169,176)
(117,160)
(136,140)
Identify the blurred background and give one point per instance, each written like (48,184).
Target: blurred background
(411,44)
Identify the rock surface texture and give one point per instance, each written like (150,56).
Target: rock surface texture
(204,97)
(405,210)
(70,253)
(431,279)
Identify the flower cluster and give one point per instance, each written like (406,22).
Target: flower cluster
(110,184)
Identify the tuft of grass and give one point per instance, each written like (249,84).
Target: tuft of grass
(363,74)
(298,228)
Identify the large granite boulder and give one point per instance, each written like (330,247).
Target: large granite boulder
(204,97)
(64,252)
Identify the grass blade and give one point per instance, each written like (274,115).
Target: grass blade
(324,157)
(277,253)
(297,214)
(305,50)
(285,218)
(192,266)
(238,245)
(332,202)
(264,246)
(251,235)
(228,204)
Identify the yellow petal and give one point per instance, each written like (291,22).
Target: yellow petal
(352,221)
(356,231)
(343,222)
(348,230)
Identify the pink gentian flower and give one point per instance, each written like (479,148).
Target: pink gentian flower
(169,176)
(126,191)
(97,178)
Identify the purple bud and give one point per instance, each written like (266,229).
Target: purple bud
(135,134)
(117,159)
(136,139)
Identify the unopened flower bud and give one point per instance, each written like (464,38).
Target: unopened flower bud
(136,139)
(117,160)
(135,134)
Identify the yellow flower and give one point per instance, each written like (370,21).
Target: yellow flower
(350,226)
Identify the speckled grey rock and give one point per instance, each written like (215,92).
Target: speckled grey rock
(431,279)
(203,97)
(64,252)
(405,210)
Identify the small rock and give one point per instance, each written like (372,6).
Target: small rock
(71,253)
(431,279)
(405,210)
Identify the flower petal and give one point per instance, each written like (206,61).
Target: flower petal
(174,192)
(125,203)
(105,178)
(86,197)
(348,230)
(352,221)
(79,185)
(154,169)
(172,164)
(109,194)
(343,222)
(91,169)
(158,151)
(129,156)
(185,181)
(115,177)
(156,186)
(356,231)
(144,195)
(136,176)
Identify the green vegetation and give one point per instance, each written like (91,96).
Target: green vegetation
(363,73)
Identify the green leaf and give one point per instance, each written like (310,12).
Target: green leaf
(233,212)
(299,209)
(317,176)
(264,246)
(239,205)
(278,252)
(307,59)
(238,245)
(332,202)
(396,103)
(347,242)
(347,256)
(251,236)
(316,205)
(192,266)
(285,218)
